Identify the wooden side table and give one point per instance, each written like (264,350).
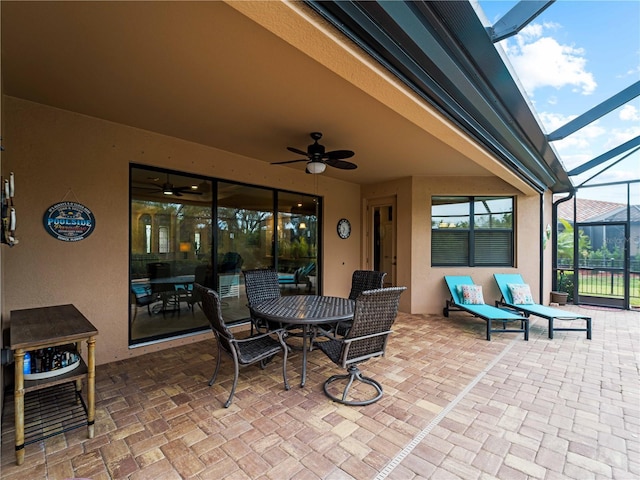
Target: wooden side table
(44,327)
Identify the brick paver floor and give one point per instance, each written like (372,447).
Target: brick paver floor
(454,406)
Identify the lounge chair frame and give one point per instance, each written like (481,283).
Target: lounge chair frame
(488,313)
(548,313)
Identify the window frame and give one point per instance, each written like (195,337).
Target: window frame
(472,234)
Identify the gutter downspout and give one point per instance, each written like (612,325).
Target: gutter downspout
(541,273)
(554,219)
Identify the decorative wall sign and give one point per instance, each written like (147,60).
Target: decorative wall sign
(69,221)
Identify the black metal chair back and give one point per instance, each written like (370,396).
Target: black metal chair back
(243,351)
(201,274)
(166,291)
(159,270)
(374,314)
(363,280)
(261,284)
(212,309)
(200,278)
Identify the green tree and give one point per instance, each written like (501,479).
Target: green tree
(564,244)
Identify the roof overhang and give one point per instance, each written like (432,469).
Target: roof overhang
(255,77)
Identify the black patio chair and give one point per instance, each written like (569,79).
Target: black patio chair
(261,284)
(166,291)
(375,311)
(142,296)
(361,280)
(260,348)
(200,277)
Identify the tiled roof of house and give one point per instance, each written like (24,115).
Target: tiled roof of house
(588,210)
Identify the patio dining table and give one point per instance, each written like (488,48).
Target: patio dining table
(171,287)
(173,280)
(305,311)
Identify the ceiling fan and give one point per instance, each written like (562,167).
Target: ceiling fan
(167,188)
(317,159)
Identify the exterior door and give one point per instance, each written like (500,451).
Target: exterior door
(603,272)
(381,237)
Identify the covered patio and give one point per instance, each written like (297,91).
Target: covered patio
(455,406)
(97,96)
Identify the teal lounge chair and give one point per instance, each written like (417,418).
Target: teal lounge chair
(549,313)
(488,313)
(300,276)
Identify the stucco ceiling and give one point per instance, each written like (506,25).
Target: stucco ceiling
(204,72)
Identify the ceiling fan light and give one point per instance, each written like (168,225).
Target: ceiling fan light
(316,167)
(167,189)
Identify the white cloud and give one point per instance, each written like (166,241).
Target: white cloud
(583,137)
(631,72)
(618,136)
(540,61)
(629,113)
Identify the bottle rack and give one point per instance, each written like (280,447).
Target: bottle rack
(50,362)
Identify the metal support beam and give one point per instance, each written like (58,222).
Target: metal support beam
(517,18)
(620,149)
(608,167)
(596,112)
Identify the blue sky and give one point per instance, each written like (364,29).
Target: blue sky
(573,56)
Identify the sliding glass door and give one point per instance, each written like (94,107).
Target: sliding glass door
(187,229)
(297,242)
(171,235)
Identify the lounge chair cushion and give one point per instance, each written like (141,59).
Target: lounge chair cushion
(471,295)
(520,294)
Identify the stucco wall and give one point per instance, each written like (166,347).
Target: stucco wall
(428,290)
(2,317)
(58,155)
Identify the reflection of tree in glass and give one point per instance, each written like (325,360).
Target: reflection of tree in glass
(240,220)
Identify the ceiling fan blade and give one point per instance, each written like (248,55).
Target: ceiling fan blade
(297,150)
(341,164)
(187,190)
(290,161)
(339,154)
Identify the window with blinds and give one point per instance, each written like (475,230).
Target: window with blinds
(472,231)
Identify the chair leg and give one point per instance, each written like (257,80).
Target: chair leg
(266,361)
(236,374)
(215,373)
(285,352)
(352,375)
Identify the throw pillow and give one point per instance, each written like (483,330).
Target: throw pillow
(472,295)
(520,294)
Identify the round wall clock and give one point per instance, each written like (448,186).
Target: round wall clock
(344,228)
